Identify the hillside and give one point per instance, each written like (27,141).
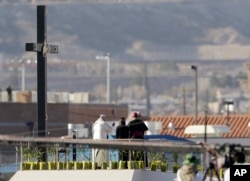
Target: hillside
(132,31)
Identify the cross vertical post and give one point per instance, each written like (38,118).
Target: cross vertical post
(41,71)
(42,49)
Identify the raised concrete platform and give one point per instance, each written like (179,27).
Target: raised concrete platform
(93,175)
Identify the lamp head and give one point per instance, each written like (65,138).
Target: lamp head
(193,67)
(105,56)
(228,102)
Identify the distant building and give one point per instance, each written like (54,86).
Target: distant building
(21,118)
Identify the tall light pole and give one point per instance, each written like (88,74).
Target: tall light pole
(194,67)
(24,63)
(228,103)
(205,127)
(23,76)
(107,58)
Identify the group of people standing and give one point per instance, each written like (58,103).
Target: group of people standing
(135,129)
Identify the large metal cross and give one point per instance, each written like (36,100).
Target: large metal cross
(42,49)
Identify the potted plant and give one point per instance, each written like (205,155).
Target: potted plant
(69,165)
(104,165)
(157,161)
(122,164)
(27,157)
(86,165)
(153,166)
(139,157)
(163,163)
(123,154)
(51,154)
(32,156)
(158,164)
(164,166)
(52,165)
(113,164)
(77,165)
(131,164)
(51,158)
(176,165)
(43,165)
(140,164)
(60,165)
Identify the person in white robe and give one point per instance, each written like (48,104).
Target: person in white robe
(100,130)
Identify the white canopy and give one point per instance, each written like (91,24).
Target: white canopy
(212,130)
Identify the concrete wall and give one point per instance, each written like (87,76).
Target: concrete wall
(94,175)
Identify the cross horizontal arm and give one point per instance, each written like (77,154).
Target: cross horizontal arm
(38,47)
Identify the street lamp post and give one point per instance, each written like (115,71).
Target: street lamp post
(22,62)
(205,136)
(23,70)
(227,103)
(23,77)
(194,67)
(205,128)
(16,158)
(107,58)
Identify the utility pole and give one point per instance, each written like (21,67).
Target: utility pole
(195,68)
(228,103)
(107,58)
(184,101)
(205,127)
(148,104)
(248,82)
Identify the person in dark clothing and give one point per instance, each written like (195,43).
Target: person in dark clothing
(122,130)
(137,129)
(122,133)
(9,91)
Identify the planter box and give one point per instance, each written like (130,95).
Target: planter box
(34,166)
(25,166)
(52,165)
(164,167)
(140,164)
(176,166)
(153,166)
(78,165)
(86,165)
(43,165)
(113,165)
(131,164)
(69,165)
(104,166)
(61,165)
(122,165)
